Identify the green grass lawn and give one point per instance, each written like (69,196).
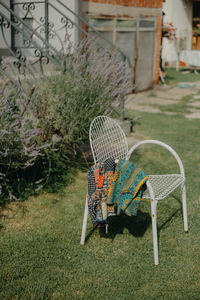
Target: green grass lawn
(40,252)
(183,75)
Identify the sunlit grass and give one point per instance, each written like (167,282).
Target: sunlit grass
(40,252)
(173,76)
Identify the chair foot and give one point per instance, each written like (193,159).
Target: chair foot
(106,228)
(84,226)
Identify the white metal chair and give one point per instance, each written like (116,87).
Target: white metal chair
(107,140)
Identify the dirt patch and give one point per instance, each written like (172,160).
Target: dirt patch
(195,104)
(149,101)
(142,102)
(174,93)
(195,114)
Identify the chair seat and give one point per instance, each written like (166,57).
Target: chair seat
(163,185)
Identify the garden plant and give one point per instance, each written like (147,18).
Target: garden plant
(40,252)
(40,136)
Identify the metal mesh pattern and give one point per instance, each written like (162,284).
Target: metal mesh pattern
(107,139)
(163,185)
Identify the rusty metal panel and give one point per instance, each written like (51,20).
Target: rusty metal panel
(135,37)
(144,69)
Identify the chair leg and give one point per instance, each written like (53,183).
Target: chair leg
(154,223)
(154,231)
(106,228)
(118,210)
(184,206)
(84,227)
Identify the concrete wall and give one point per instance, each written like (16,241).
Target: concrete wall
(179,13)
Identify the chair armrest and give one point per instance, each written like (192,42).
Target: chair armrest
(167,147)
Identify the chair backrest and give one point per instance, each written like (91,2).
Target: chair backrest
(107,139)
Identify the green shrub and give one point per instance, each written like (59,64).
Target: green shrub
(39,137)
(18,147)
(94,81)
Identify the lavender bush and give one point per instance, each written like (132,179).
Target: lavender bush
(18,150)
(94,81)
(39,137)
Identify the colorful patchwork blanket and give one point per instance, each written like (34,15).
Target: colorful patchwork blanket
(127,187)
(100,178)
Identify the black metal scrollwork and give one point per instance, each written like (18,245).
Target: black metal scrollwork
(41,57)
(18,24)
(67,24)
(20,64)
(51,33)
(27,43)
(49,29)
(4,23)
(28,7)
(38,53)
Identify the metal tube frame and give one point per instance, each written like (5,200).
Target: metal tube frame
(152,196)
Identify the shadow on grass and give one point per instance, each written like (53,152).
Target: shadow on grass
(176,212)
(136,226)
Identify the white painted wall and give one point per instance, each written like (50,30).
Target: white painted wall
(179,13)
(56,18)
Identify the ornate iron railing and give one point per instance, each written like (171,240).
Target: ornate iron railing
(37,34)
(27,45)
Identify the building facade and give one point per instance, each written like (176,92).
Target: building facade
(133,26)
(185,17)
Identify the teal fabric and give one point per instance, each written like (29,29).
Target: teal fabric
(127,187)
